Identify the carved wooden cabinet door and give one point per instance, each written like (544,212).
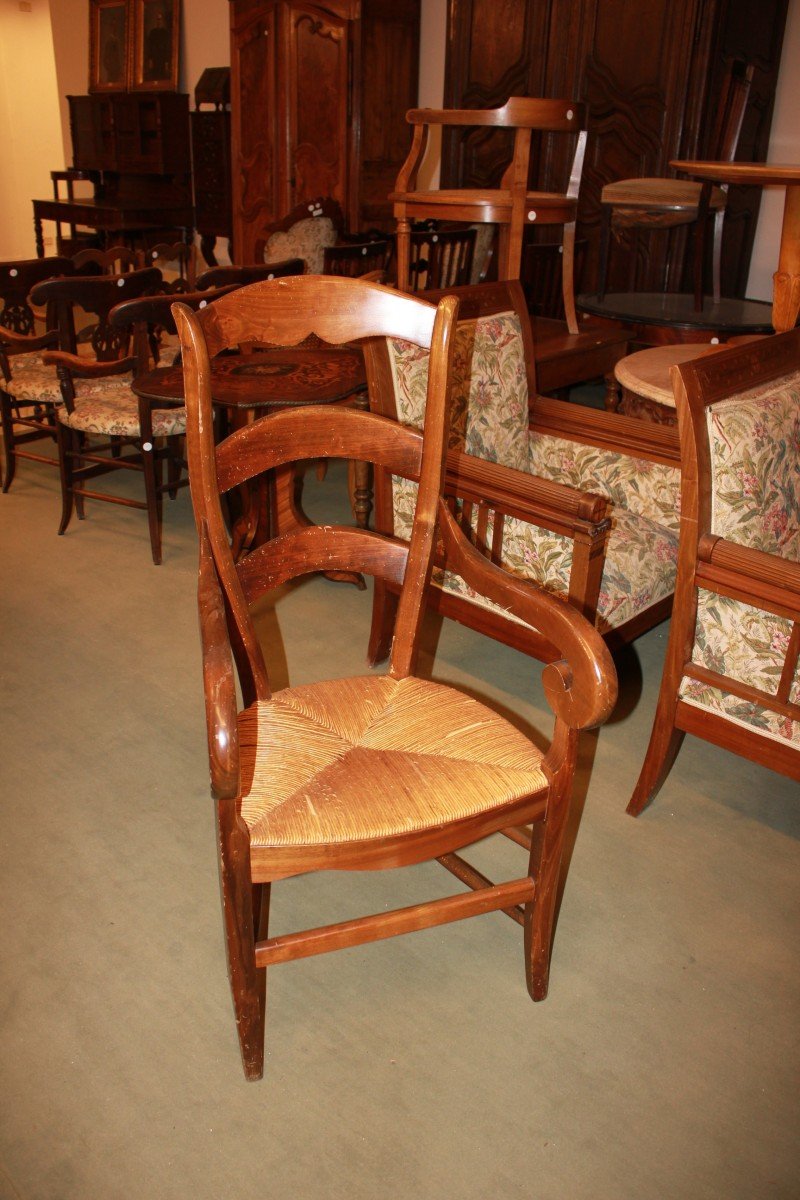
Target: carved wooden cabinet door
(318,96)
(319,93)
(254,103)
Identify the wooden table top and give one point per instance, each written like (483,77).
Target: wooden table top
(279,378)
(740,172)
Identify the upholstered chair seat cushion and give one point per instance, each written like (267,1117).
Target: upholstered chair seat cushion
(118,416)
(490,420)
(323,763)
(37,383)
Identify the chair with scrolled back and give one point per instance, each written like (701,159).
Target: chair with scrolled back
(372,772)
(731,673)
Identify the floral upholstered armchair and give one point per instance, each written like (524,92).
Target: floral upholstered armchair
(583,502)
(731,674)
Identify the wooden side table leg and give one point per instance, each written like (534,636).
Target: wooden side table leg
(37,231)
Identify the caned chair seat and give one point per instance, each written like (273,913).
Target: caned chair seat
(325,763)
(119,416)
(682,195)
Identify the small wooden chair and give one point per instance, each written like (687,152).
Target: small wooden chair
(24,404)
(731,673)
(370,772)
(665,203)
(102,425)
(512,205)
(217,277)
(440,258)
(356,259)
(116,260)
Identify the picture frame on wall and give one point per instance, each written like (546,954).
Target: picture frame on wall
(156,43)
(109,42)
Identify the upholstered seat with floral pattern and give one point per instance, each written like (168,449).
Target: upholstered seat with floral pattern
(490,421)
(732,670)
(119,416)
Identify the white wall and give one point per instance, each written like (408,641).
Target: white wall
(784,147)
(30,130)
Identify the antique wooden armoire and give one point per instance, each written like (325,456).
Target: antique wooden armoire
(650,71)
(319,94)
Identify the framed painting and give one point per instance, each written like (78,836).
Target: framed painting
(156,38)
(109,43)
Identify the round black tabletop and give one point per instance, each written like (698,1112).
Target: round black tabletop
(677,311)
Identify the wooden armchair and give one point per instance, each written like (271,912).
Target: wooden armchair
(102,427)
(29,391)
(302,233)
(583,502)
(371,772)
(512,206)
(731,673)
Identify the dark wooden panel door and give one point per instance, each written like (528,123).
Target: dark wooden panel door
(254,51)
(651,71)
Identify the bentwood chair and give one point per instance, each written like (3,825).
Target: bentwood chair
(362,773)
(666,203)
(26,408)
(512,206)
(731,672)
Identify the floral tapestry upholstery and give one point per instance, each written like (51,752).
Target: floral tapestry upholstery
(754,440)
(119,417)
(644,488)
(639,568)
(754,444)
(490,420)
(307,240)
(489,416)
(748,645)
(39,385)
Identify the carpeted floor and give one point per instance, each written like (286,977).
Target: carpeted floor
(664,1063)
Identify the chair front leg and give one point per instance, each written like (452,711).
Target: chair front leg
(66,439)
(7,418)
(151,467)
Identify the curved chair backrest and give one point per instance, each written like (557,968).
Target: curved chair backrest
(18,278)
(97,294)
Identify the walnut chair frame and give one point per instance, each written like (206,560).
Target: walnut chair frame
(767,583)
(512,206)
(21,345)
(129,432)
(383,823)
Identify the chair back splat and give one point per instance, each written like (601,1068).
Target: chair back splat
(376,771)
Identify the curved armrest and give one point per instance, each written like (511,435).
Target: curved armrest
(218,680)
(581,690)
(24,343)
(89,369)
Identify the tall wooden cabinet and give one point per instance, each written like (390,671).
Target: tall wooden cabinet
(650,71)
(319,94)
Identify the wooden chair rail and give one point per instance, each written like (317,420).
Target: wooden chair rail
(606,430)
(530,496)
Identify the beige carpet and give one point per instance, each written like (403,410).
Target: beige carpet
(664,1063)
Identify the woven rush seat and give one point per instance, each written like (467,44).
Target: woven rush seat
(328,762)
(119,416)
